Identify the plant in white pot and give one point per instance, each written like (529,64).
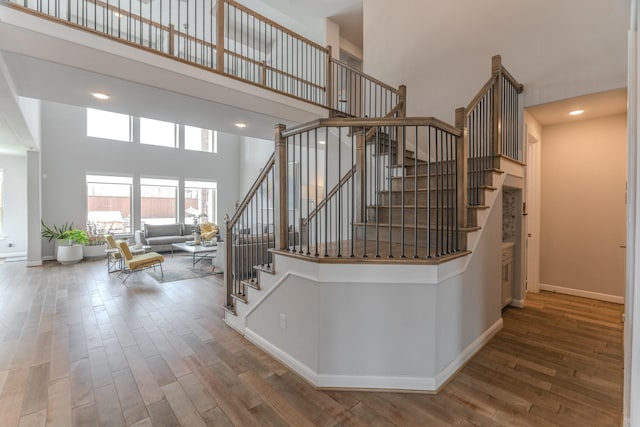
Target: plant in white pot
(73,252)
(96,244)
(56,233)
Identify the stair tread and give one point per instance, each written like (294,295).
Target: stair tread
(230,309)
(251,283)
(410,226)
(240,297)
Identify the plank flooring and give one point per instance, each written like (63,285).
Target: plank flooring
(77,348)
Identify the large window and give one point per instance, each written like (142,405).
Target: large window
(108,125)
(109,203)
(200,199)
(158,201)
(198,139)
(157,132)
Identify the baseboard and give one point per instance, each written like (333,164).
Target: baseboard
(581,293)
(378,383)
(13,254)
(34,263)
(48,258)
(373,382)
(283,357)
(462,358)
(626,422)
(239,329)
(520,303)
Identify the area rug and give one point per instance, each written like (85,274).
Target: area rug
(179,267)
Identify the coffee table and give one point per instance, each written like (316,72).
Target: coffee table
(199,252)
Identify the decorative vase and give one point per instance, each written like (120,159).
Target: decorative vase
(197,237)
(69,254)
(94,251)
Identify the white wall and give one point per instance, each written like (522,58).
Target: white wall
(254,153)
(583,205)
(15,205)
(68,154)
(442,50)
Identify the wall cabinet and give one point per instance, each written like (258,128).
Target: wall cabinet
(507,273)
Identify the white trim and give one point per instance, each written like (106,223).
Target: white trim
(283,357)
(626,422)
(232,325)
(580,293)
(520,303)
(34,263)
(465,355)
(48,258)
(13,254)
(377,382)
(374,381)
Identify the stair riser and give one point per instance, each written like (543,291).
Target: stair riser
(410,198)
(420,238)
(423,182)
(394,215)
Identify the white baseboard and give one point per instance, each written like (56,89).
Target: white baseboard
(375,382)
(234,322)
(581,293)
(520,303)
(13,254)
(34,263)
(48,258)
(626,422)
(467,354)
(285,358)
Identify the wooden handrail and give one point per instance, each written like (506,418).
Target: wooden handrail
(274,24)
(252,191)
(276,70)
(366,122)
(333,191)
(374,80)
(481,93)
(391,113)
(519,87)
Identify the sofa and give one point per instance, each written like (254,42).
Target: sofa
(161,236)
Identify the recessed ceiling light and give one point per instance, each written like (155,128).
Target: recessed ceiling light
(322,142)
(100,95)
(241,125)
(576,112)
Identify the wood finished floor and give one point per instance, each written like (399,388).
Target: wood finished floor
(77,348)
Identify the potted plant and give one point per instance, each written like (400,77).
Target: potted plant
(96,245)
(73,252)
(56,233)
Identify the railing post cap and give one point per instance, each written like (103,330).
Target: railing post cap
(496,63)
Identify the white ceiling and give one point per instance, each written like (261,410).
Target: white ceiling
(595,105)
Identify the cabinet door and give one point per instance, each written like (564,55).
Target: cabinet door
(507,281)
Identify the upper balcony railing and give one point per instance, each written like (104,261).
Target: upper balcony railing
(227,37)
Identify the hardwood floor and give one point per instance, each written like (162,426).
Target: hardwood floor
(77,348)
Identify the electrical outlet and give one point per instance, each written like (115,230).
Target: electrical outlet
(283,321)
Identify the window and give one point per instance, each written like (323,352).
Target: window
(109,204)
(158,201)
(198,139)
(108,125)
(200,198)
(157,132)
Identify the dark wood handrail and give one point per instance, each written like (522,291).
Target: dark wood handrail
(374,80)
(252,191)
(275,24)
(519,87)
(379,122)
(481,93)
(331,193)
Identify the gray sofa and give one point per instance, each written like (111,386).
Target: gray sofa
(160,237)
